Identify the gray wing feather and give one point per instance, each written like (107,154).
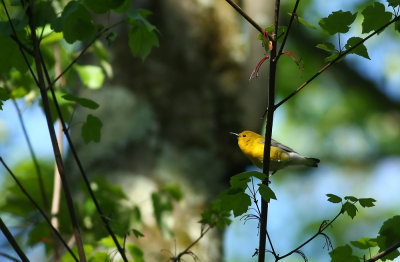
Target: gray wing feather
(277,144)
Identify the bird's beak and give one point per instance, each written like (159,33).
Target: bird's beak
(235,134)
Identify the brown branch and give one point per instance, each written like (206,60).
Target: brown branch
(53,137)
(384,253)
(340,56)
(74,153)
(245,16)
(268,134)
(320,230)
(12,241)
(187,250)
(36,205)
(288,28)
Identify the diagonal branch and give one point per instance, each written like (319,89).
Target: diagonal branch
(36,205)
(288,28)
(246,16)
(339,57)
(384,253)
(12,241)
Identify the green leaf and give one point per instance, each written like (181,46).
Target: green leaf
(65,106)
(142,40)
(139,17)
(360,50)
(326,46)
(364,243)
(161,205)
(270,31)
(241,179)
(303,21)
(236,200)
(394,3)
(82,101)
(367,202)
(99,257)
(343,253)
(136,252)
(174,191)
(4,96)
(76,23)
(389,234)
(375,16)
(350,209)
(11,57)
(338,22)
(108,242)
(91,76)
(103,6)
(216,215)
(43,13)
(266,192)
(91,129)
(334,198)
(332,57)
(351,198)
(397,26)
(137,233)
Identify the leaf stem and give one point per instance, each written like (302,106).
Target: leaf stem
(12,241)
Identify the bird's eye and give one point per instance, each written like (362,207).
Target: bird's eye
(244,135)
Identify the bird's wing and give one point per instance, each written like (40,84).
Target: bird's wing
(277,144)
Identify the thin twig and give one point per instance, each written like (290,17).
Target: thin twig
(288,28)
(187,250)
(340,56)
(53,137)
(36,205)
(9,257)
(83,51)
(77,159)
(246,16)
(320,230)
(12,241)
(384,253)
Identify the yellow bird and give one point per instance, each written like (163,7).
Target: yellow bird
(252,145)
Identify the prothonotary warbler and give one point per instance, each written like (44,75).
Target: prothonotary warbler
(252,145)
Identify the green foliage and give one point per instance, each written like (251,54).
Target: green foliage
(136,253)
(266,192)
(92,76)
(216,215)
(364,243)
(326,46)
(143,35)
(103,6)
(334,198)
(91,129)
(270,31)
(375,16)
(394,3)
(367,202)
(303,21)
(4,96)
(75,23)
(389,234)
(360,50)
(85,102)
(337,22)
(350,209)
(343,253)
(163,204)
(10,56)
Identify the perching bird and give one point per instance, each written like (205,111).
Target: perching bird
(252,145)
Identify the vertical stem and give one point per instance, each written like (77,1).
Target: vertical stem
(268,134)
(53,137)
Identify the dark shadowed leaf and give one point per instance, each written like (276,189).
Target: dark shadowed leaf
(266,192)
(334,198)
(338,22)
(360,50)
(343,253)
(375,16)
(91,129)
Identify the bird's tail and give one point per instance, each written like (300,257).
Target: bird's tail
(312,161)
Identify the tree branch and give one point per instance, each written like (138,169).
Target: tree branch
(340,56)
(320,230)
(12,241)
(245,16)
(384,253)
(36,205)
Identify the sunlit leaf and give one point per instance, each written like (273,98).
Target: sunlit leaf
(91,76)
(364,243)
(326,46)
(343,253)
(136,252)
(360,50)
(338,22)
(375,16)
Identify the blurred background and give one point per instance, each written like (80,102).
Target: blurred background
(167,120)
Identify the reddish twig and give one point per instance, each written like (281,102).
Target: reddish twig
(288,28)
